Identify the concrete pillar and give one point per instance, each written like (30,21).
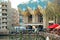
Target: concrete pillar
(45,21)
(25,19)
(33,18)
(36,18)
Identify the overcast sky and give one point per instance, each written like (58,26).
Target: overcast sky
(14,3)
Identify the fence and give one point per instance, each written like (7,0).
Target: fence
(38,36)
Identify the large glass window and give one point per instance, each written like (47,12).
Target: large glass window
(40,18)
(30,18)
(21,20)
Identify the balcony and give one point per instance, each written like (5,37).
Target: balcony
(4,16)
(4,11)
(4,7)
(31,24)
(4,20)
(4,24)
(4,3)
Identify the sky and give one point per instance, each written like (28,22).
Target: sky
(14,3)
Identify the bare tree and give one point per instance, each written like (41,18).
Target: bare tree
(53,11)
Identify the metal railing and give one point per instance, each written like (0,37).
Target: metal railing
(30,35)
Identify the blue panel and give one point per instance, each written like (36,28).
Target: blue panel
(42,4)
(34,5)
(22,6)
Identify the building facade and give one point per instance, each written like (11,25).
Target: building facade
(15,17)
(33,16)
(8,16)
(4,11)
(30,19)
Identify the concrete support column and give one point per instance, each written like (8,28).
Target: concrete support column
(33,18)
(25,19)
(45,21)
(36,19)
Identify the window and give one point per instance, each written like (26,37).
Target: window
(21,20)
(5,5)
(30,16)
(40,18)
(4,18)
(6,10)
(20,17)
(4,22)
(2,9)
(4,14)
(6,27)
(2,5)
(2,26)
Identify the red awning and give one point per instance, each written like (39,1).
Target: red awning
(53,26)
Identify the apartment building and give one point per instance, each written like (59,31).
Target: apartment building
(8,16)
(15,17)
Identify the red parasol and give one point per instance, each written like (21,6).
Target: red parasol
(58,27)
(53,26)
